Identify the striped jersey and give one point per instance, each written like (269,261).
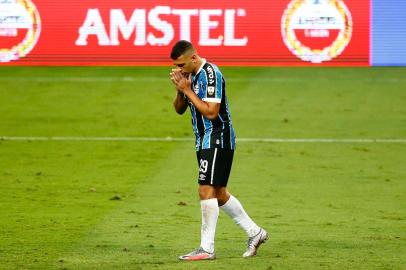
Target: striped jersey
(209,84)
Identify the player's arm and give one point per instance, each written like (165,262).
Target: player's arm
(179,103)
(209,109)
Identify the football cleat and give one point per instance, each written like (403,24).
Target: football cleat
(197,255)
(254,242)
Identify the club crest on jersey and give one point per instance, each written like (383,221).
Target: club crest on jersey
(20,27)
(316,30)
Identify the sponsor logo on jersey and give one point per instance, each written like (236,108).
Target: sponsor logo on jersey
(316,30)
(20,28)
(210,74)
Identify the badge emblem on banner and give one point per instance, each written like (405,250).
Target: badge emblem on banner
(20,27)
(316,30)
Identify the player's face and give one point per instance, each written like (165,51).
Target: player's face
(185,63)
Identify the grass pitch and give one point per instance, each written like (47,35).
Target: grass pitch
(134,205)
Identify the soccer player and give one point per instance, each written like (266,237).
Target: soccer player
(201,86)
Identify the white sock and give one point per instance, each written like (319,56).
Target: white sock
(234,209)
(210,213)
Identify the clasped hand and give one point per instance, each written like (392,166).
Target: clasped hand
(182,81)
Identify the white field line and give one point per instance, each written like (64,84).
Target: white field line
(183,139)
(81,79)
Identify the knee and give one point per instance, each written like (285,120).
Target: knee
(207,192)
(222,195)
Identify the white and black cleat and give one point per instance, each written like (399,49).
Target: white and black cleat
(254,242)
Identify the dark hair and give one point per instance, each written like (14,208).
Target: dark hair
(180,48)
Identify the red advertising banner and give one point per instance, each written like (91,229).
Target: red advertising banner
(261,32)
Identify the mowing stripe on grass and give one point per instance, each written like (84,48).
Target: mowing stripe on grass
(79,79)
(185,139)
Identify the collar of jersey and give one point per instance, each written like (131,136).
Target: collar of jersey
(200,68)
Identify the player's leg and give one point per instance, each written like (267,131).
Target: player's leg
(233,208)
(206,192)
(210,212)
(222,195)
(209,207)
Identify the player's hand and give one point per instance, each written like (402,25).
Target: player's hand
(181,80)
(177,74)
(183,84)
(179,70)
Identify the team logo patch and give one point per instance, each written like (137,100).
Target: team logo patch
(316,30)
(210,90)
(20,28)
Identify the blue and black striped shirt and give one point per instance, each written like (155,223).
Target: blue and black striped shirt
(209,84)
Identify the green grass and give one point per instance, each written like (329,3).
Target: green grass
(326,205)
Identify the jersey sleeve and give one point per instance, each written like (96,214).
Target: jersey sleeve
(213,91)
